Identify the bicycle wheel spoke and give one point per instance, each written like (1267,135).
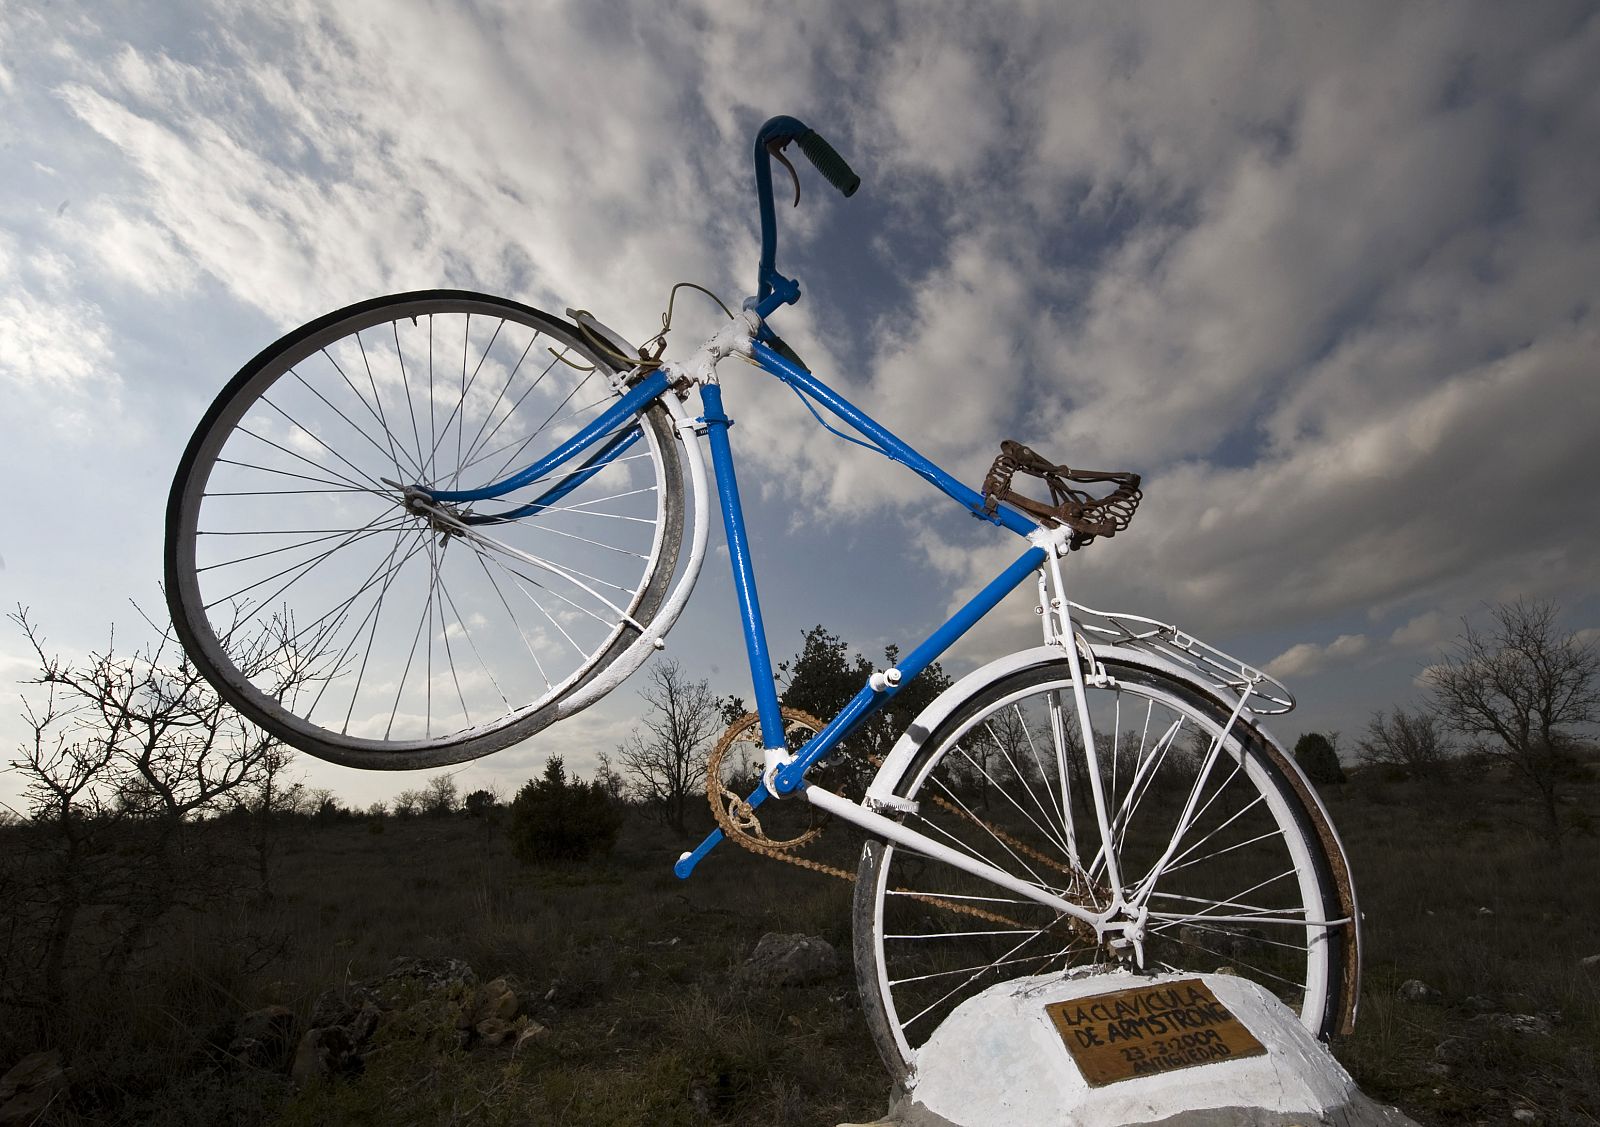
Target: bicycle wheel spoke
(337,486)
(332,535)
(950,935)
(521,632)
(423,619)
(411,407)
(996,838)
(467,459)
(993,965)
(466,632)
(1064,750)
(1021,776)
(916,894)
(596,543)
(1203,858)
(304,568)
(458,412)
(588,509)
(1256,971)
(1137,789)
(976,972)
(516,455)
(1200,843)
(375,484)
(554,569)
(376,408)
(481,455)
(1237,901)
(517,578)
(338,478)
(1006,794)
(328,622)
(351,423)
(390,571)
(1060,811)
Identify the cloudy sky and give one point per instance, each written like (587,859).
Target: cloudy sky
(1327,275)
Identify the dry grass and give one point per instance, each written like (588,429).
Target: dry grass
(646,1031)
(1460,892)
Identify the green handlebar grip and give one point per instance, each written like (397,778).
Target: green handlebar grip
(829,163)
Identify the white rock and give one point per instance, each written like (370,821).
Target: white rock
(998,1060)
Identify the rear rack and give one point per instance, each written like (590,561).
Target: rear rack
(1267,696)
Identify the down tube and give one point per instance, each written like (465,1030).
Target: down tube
(791,777)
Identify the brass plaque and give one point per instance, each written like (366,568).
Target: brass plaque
(1150,1029)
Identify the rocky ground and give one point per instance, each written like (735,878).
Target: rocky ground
(421,975)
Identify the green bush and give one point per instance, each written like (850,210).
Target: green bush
(553,819)
(1315,754)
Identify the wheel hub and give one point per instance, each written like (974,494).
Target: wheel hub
(441,516)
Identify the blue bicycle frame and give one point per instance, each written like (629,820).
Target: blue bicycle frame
(604,433)
(611,436)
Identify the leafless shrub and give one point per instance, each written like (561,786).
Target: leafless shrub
(126,753)
(665,761)
(1522,688)
(1416,743)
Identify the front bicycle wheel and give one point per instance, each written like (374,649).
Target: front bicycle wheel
(338,612)
(1239,872)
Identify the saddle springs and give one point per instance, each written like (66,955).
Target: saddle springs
(1087,515)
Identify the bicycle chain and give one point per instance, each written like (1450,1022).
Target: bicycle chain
(740,825)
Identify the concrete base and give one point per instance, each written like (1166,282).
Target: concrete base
(999,1060)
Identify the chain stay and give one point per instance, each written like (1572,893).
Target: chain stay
(741,826)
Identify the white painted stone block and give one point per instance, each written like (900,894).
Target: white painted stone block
(999,1061)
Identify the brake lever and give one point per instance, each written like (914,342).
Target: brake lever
(775,148)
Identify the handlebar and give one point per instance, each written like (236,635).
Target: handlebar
(774,289)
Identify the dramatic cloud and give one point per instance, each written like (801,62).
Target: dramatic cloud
(1308,657)
(55,364)
(1327,277)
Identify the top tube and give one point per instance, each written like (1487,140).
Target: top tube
(889,443)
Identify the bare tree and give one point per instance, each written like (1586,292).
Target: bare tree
(665,761)
(1415,742)
(321,803)
(609,778)
(125,756)
(1522,687)
(440,797)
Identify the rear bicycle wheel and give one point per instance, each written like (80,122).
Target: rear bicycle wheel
(322,601)
(1250,880)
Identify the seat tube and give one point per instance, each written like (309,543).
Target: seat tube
(744,575)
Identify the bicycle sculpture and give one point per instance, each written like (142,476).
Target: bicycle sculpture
(460,519)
